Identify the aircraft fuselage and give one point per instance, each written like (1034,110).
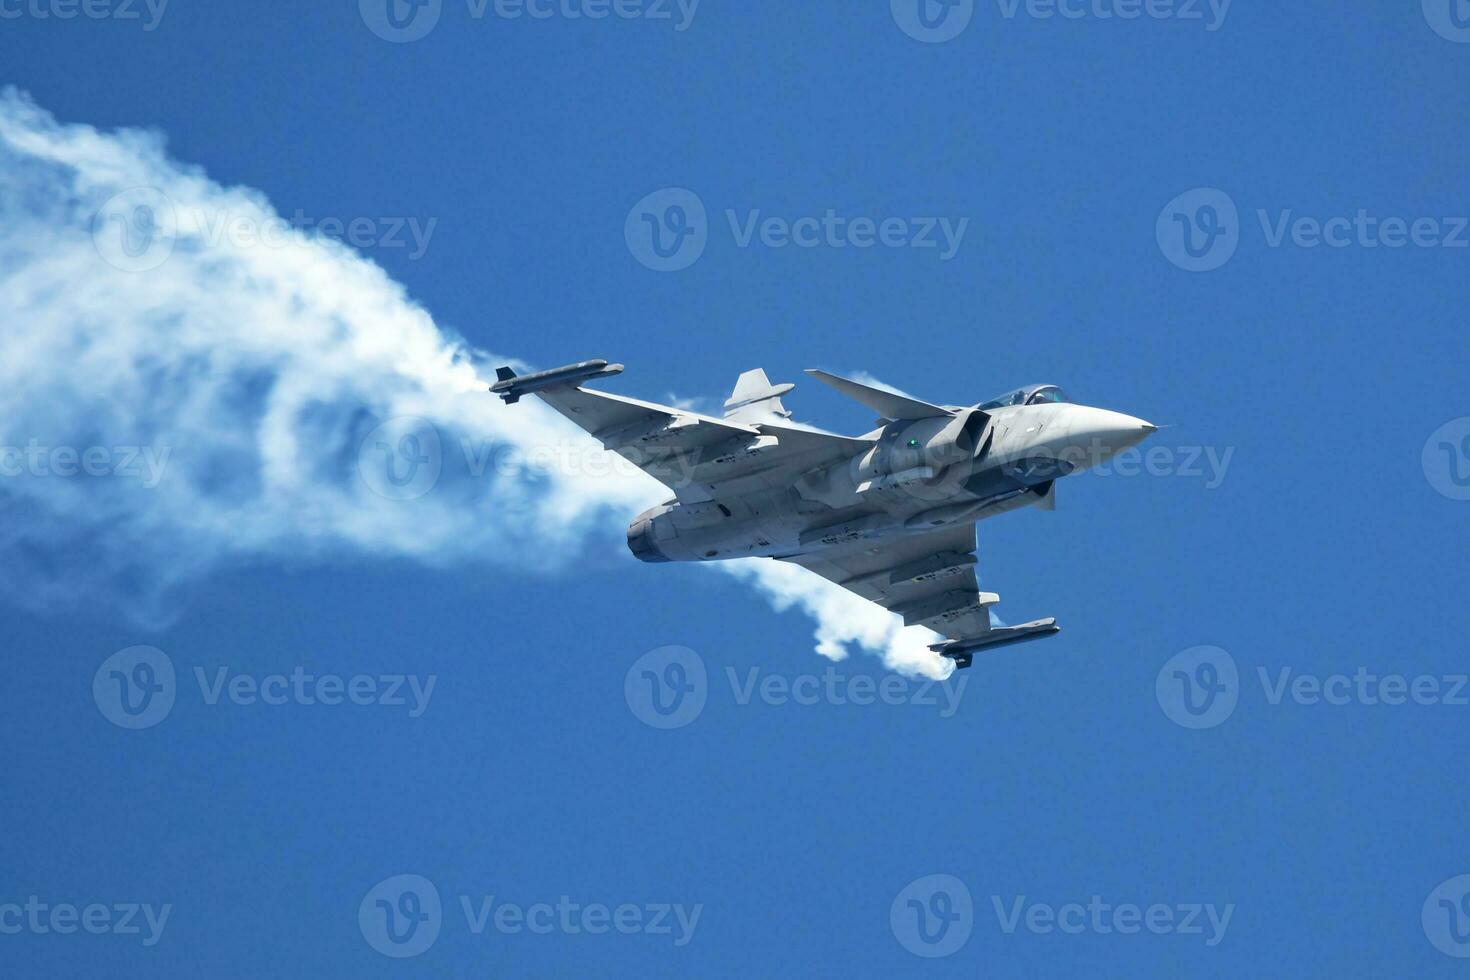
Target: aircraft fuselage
(916,476)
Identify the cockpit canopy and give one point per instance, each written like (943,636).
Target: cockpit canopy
(1029,395)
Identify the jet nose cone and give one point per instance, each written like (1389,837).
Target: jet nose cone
(1121,431)
(1098,433)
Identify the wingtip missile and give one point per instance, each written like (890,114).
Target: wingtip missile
(511,386)
(962,652)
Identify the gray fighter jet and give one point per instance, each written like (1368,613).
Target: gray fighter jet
(889,515)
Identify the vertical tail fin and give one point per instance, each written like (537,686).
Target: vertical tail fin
(755,399)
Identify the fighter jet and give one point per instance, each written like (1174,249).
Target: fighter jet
(889,515)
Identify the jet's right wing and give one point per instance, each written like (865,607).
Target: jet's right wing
(928,578)
(888,404)
(697,456)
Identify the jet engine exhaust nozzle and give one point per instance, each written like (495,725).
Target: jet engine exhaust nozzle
(641,542)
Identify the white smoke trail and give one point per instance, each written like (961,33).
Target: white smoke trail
(843,618)
(186,384)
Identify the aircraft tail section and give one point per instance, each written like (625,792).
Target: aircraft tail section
(755,399)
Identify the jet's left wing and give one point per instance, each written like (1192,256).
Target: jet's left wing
(928,578)
(697,456)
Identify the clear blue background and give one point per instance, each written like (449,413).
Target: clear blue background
(1324,549)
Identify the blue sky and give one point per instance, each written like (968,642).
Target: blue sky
(1308,513)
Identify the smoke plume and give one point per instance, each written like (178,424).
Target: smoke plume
(187,383)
